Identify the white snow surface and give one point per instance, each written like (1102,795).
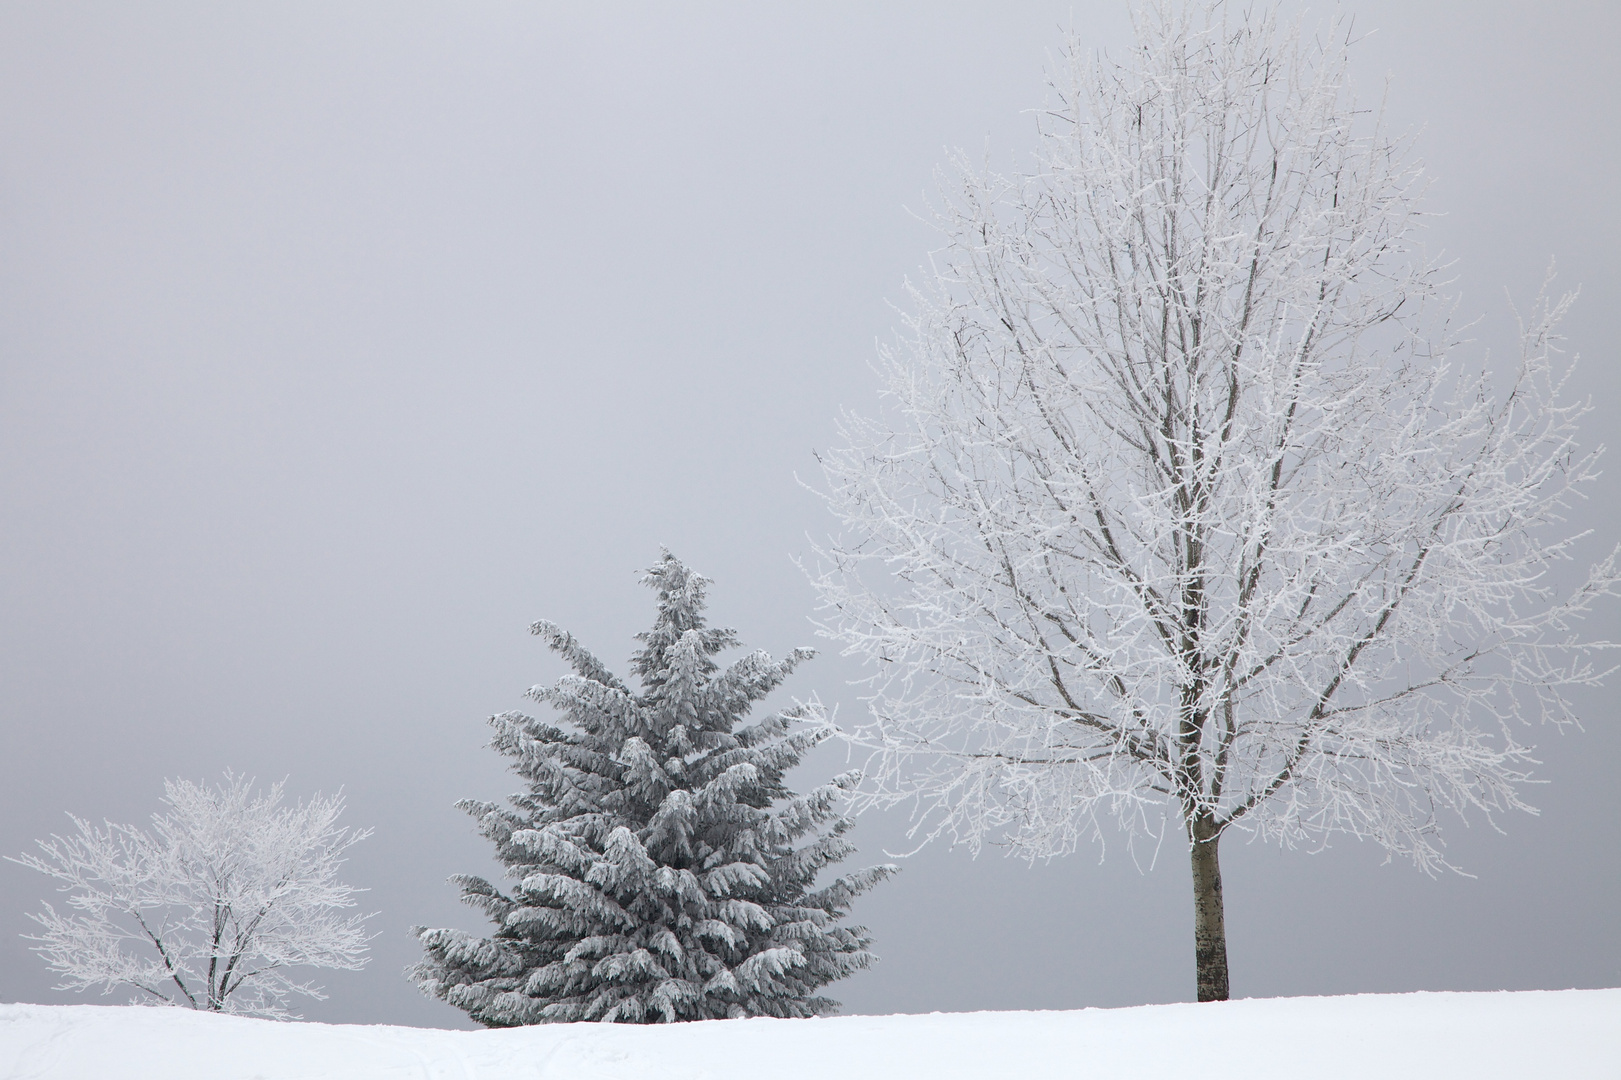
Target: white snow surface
(1567,1034)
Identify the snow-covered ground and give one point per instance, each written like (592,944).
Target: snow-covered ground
(1568,1034)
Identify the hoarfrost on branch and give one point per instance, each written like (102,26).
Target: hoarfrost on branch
(1180,500)
(211,909)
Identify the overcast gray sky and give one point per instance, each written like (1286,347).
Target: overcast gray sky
(338,343)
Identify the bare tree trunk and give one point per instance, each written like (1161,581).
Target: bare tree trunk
(1209,921)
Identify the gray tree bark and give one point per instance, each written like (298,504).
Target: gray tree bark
(1209,920)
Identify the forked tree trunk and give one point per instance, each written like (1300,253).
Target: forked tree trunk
(1209,923)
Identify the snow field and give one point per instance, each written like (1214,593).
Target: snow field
(1568,1034)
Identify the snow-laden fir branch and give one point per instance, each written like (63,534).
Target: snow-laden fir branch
(662,870)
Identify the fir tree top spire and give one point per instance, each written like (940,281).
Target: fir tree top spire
(682,599)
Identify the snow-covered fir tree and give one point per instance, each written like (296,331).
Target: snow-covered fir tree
(663,870)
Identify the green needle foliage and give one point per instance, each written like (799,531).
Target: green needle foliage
(663,871)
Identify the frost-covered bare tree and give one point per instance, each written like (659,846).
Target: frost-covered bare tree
(211,909)
(1180,504)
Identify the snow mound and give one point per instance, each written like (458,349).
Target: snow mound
(1570,1034)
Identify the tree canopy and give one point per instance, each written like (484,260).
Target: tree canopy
(1181,502)
(662,869)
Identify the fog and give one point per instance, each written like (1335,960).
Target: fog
(339,343)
